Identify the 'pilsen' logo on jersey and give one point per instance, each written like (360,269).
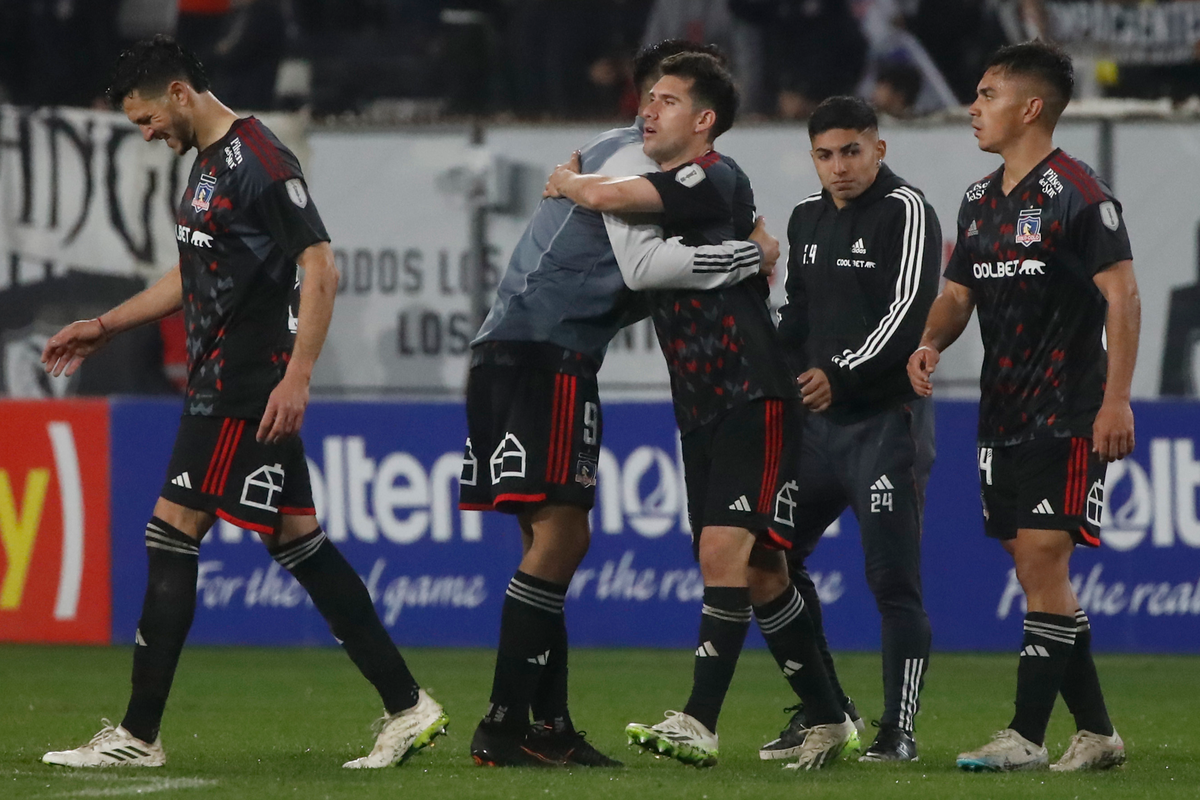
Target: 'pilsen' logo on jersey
(204,193)
(976,191)
(1029,226)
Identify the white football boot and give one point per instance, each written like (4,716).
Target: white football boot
(1091,751)
(1006,752)
(111,747)
(679,736)
(824,743)
(404,733)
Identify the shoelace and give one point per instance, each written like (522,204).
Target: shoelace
(104,733)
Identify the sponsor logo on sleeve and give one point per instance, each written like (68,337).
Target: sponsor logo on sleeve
(1109,215)
(297,192)
(690,176)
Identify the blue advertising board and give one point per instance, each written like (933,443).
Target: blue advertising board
(385,482)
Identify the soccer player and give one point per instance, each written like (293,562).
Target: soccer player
(863,261)
(1043,252)
(245,221)
(737,410)
(535,425)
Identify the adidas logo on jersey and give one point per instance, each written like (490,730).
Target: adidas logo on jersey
(859,249)
(1035,650)
(183,479)
(706,650)
(973,229)
(882,485)
(1044,507)
(741,504)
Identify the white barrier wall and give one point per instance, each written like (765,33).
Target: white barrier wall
(80,190)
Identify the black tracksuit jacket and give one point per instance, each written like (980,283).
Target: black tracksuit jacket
(859,286)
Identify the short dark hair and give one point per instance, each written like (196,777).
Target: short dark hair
(842,112)
(647,62)
(1044,62)
(712,87)
(150,65)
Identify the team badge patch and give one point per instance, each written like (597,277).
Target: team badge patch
(1109,216)
(296,191)
(203,193)
(1029,226)
(585,472)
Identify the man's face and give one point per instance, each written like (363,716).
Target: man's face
(847,161)
(163,117)
(998,113)
(672,122)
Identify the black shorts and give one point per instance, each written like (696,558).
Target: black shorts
(533,438)
(1043,484)
(220,467)
(740,471)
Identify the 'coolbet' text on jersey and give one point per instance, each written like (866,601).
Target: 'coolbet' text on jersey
(245,217)
(1029,259)
(721,346)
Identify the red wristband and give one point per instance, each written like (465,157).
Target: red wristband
(103,329)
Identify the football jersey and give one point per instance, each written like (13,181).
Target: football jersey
(720,345)
(244,219)
(1029,259)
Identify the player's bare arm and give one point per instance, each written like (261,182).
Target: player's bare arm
(68,348)
(626,195)
(948,317)
(285,407)
(1112,432)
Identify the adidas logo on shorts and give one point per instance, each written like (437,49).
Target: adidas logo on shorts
(741,504)
(183,479)
(882,485)
(1035,650)
(1044,507)
(706,650)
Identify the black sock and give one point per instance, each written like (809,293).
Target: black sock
(1081,684)
(791,640)
(1049,640)
(812,607)
(724,621)
(530,622)
(343,600)
(167,612)
(550,700)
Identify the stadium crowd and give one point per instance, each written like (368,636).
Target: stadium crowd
(564,59)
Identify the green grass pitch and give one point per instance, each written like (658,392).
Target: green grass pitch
(278,723)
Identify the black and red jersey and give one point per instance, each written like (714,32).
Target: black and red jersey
(720,345)
(1029,259)
(244,219)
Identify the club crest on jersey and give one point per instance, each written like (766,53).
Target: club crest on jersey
(204,193)
(1029,226)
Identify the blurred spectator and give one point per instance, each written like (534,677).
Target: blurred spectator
(569,57)
(897,86)
(58,51)
(199,26)
(245,60)
(890,43)
(726,24)
(960,36)
(814,49)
